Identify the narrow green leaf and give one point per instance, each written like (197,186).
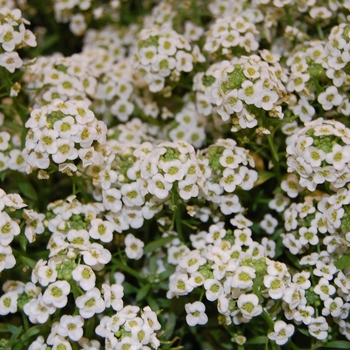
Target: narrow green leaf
(152,303)
(30,262)
(152,246)
(263,177)
(304,331)
(338,344)
(121,265)
(27,189)
(129,288)
(343,262)
(32,331)
(170,325)
(260,339)
(143,292)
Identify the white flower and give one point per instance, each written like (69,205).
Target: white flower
(38,311)
(133,247)
(308,235)
(324,289)
(9,38)
(173,170)
(249,177)
(56,294)
(65,150)
(85,276)
(196,314)
(148,55)
(276,286)
(101,229)
(159,186)
(184,61)
(282,332)
(230,160)
(302,279)
(291,186)
(11,61)
(90,303)
(269,223)
(304,314)
(65,127)
(339,156)
(248,93)
(111,199)
(179,285)
(192,261)
(243,277)
(7,259)
(8,229)
(167,46)
(333,307)
(131,194)
(187,189)
(8,303)
(113,296)
(44,273)
(249,305)
(230,179)
(71,326)
(330,98)
(324,270)
(318,328)
(213,289)
(122,109)
(38,344)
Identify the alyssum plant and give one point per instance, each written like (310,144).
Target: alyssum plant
(174,174)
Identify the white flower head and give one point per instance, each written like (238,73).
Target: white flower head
(196,314)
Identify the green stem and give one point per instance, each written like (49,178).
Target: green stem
(319,31)
(126,268)
(25,321)
(268,319)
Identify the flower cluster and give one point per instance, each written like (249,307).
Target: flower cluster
(184,168)
(11,155)
(127,329)
(65,131)
(163,54)
(320,153)
(9,227)
(139,179)
(243,87)
(13,36)
(227,36)
(77,12)
(230,266)
(100,77)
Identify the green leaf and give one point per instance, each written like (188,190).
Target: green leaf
(170,325)
(121,265)
(343,262)
(28,334)
(30,262)
(338,344)
(304,331)
(152,303)
(263,177)
(27,189)
(152,246)
(32,331)
(143,292)
(260,339)
(129,288)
